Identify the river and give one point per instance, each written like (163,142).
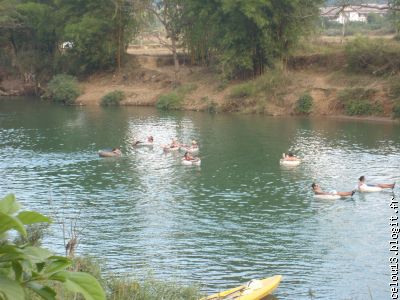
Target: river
(239,216)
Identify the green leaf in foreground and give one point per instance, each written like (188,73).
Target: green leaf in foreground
(85,284)
(8,222)
(32,217)
(44,291)
(9,205)
(10,290)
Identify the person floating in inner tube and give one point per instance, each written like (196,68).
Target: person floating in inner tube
(362,184)
(318,191)
(174,143)
(289,156)
(194,144)
(116,151)
(150,140)
(188,156)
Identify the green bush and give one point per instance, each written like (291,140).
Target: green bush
(394,88)
(272,84)
(359,101)
(63,88)
(304,104)
(356,108)
(396,110)
(242,90)
(170,101)
(373,56)
(174,100)
(112,98)
(211,107)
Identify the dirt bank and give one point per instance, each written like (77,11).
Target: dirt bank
(147,76)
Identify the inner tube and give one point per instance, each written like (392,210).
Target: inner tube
(369,189)
(169,149)
(108,153)
(195,162)
(289,162)
(144,144)
(189,149)
(328,197)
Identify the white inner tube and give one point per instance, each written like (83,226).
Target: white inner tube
(145,144)
(104,153)
(328,197)
(366,188)
(196,162)
(289,162)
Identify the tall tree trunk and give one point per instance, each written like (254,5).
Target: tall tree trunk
(176,59)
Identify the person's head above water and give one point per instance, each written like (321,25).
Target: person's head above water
(290,154)
(362,178)
(314,186)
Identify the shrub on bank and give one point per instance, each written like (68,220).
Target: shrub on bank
(150,289)
(362,108)
(359,102)
(174,100)
(377,57)
(242,90)
(304,104)
(113,98)
(170,101)
(63,89)
(394,88)
(272,85)
(396,110)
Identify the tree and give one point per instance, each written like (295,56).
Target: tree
(97,31)
(394,6)
(170,14)
(245,36)
(26,267)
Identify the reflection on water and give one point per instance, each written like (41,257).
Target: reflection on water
(238,216)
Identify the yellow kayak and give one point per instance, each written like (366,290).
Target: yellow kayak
(253,290)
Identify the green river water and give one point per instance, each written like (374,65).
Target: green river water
(239,216)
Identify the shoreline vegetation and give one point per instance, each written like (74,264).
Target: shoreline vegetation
(322,78)
(177,55)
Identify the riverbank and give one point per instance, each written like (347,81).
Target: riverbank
(318,72)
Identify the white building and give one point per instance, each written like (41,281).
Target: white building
(353,13)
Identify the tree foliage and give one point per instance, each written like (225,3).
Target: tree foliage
(26,267)
(245,36)
(98,31)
